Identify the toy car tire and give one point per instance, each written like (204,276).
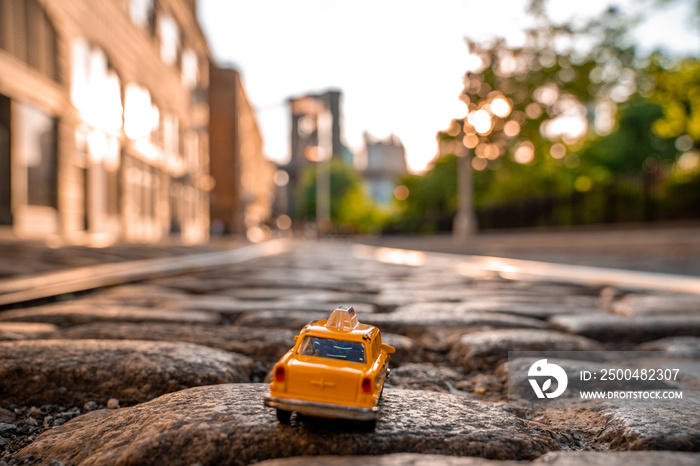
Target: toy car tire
(285,417)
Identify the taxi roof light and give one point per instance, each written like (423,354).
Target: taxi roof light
(343,318)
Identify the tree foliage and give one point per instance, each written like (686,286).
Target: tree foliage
(578,117)
(352,209)
(677,91)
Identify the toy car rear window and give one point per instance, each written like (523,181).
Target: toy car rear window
(353,351)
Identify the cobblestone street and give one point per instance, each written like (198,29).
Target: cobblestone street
(172,369)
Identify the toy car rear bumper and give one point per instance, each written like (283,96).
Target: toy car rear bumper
(321,409)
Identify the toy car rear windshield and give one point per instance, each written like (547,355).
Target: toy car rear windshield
(353,351)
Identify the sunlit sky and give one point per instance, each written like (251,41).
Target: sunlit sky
(399,63)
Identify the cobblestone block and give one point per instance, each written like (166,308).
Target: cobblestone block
(485,350)
(228,424)
(72,372)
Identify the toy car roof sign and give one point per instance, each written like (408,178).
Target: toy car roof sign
(343,318)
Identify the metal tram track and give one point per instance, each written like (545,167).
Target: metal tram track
(46,285)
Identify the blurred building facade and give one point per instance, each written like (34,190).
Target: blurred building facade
(244,188)
(386,162)
(104,120)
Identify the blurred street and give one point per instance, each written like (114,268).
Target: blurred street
(171,369)
(673,249)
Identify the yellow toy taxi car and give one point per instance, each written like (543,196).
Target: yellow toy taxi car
(336,369)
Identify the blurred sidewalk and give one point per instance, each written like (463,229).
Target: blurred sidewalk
(663,249)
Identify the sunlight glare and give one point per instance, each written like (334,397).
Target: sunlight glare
(400,257)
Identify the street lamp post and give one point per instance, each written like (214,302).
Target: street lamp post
(465,223)
(324,131)
(479,123)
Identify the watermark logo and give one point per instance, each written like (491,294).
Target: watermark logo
(542,368)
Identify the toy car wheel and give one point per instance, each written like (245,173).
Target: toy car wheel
(285,417)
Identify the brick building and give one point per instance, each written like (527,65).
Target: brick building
(244,188)
(104,120)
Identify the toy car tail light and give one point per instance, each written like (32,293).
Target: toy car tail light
(366,385)
(279,374)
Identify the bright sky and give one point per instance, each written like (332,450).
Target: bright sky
(399,63)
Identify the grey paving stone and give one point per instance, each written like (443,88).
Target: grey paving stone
(223,305)
(268,293)
(530,308)
(676,346)
(485,350)
(671,303)
(235,308)
(24,330)
(195,284)
(136,294)
(618,458)
(71,313)
(558,458)
(293,320)
(666,425)
(416,323)
(424,376)
(228,424)
(631,329)
(495,304)
(361,300)
(305,279)
(72,372)
(519,385)
(499,300)
(395,459)
(267,345)
(407,350)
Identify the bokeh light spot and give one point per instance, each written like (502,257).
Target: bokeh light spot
(401,193)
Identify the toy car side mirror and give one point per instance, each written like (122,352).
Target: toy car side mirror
(296,337)
(388,349)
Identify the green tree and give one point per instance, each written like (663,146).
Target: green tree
(633,144)
(431,201)
(677,90)
(556,94)
(352,209)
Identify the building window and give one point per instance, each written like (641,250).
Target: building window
(140,115)
(141,12)
(190,69)
(36,148)
(169,35)
(27,33)
(96,88)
